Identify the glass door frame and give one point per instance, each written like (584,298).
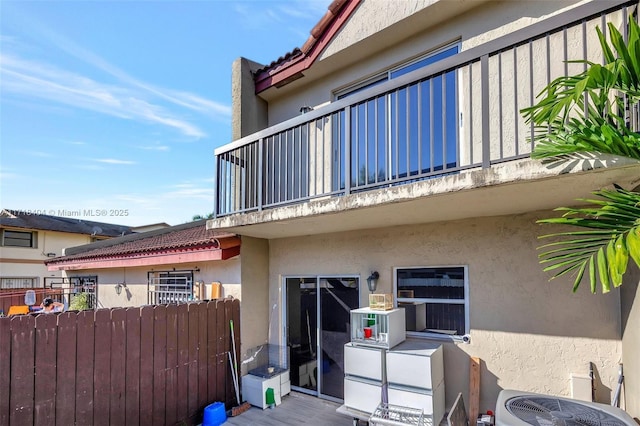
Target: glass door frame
(285,322)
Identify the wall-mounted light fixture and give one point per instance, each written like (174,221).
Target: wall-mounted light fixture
(305,109)
(119,288)
(51,255)
(372,281)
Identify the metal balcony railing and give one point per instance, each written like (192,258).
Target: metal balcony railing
(459,113)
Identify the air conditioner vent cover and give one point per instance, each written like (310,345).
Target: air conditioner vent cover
(550,411)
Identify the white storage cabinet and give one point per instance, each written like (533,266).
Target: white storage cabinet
(364,369)
(415,377)
(254,388)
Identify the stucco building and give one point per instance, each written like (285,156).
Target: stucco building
(175,264)
(30,238)
(392,141)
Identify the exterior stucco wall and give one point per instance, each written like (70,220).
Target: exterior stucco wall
(630,300)
(255,311)
(48,242)
(380,35)
(530,334)
(226,272)
(249,111)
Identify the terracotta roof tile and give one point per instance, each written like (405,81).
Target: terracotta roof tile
(188,236)
(316,33)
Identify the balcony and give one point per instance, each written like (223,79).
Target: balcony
(443,129)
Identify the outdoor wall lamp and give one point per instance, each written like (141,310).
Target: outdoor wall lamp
(119,288)
(372,281)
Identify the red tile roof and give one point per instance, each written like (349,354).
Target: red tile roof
(189,236)
(290,66)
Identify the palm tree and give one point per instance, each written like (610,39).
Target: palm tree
(588,113)
(200,217)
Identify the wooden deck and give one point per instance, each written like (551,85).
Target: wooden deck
(296,409)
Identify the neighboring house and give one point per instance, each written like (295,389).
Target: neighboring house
(150,227)
(30,238)
(410,158)
(174,264)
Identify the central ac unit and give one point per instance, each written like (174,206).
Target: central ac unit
(517,408)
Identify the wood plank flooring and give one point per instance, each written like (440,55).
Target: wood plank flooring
(296,409)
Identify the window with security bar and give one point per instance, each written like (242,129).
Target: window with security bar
(18,282)
(165,287)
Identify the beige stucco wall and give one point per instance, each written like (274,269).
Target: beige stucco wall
(530,334)
(381,35)
(256,307)
(249,111)
(362,49)
(226,272)
(19,261)
(630,298)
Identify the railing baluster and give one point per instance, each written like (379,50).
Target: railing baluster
(500,122)
(432,120)
(516,117)
(260,178)
(470,119)
(531,94)
(484,83)
(347,150)
(444,122)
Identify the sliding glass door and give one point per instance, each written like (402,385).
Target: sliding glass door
(317,327)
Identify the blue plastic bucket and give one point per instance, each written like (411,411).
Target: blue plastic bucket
(214,414)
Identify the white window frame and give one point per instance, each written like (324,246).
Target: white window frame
(465,301)
(385,75)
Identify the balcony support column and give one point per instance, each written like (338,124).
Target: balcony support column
(260,178)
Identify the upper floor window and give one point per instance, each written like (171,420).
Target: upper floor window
(407,133)
(12,238)
(403,69)
(436,299)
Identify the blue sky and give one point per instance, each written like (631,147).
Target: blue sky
(113,108)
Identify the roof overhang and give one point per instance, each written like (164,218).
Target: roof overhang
(292,69)
(146,259)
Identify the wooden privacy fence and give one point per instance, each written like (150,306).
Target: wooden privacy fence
(155,365)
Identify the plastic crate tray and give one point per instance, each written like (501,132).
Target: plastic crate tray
(395,415)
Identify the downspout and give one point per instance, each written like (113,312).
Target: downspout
(616,396)
(592,376)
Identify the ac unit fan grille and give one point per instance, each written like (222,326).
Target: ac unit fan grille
(549,411)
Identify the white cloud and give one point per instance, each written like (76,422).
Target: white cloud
(113,161)
(155,148)
(8,175)
(131,98)
(296,13)
(40,154)
(38,80)
(89,167)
